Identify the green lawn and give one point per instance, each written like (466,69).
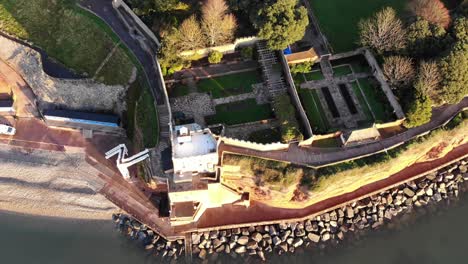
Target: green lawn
(314,76)
(229,85)
(147,119)
(68,34)
(362,102)
(378,103)
(342,70)
(178,90)
(339,19)
(240,112)
(314,110)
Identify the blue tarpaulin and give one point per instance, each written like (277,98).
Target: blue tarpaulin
(287,51)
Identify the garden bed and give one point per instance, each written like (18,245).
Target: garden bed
(314,110)
(378,102)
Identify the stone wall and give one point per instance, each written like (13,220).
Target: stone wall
(225,49)
(253,145)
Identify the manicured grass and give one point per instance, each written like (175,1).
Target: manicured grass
(342,70)
(339,19)
(68,34)
(314,76)
(229,85)
(362,102)
(147,119)
(298,79)
(178,90)
(240,112)
(379,105)
(314,110)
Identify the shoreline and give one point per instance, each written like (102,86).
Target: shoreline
(331,228)
(62,214)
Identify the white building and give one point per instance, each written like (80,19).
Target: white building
(194,151)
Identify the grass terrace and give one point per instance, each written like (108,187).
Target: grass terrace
(178,90)
(72,36)
(314,110)
(339,19)
(377,100)
(314,76)
(240,112)
(228,85)
(342,70)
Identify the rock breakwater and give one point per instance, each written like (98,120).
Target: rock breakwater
(328,229)
(149,239)
(332,227)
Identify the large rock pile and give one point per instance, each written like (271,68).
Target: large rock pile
(332,226)
(148,238)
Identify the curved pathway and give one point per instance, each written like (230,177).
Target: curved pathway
(315,157)
(105,10)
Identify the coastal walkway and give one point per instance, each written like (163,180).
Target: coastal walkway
(315,157)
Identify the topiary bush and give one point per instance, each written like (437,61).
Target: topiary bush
(215,57)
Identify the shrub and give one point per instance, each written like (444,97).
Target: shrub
(247,53)
(215,57)
(286,114)
(304,67)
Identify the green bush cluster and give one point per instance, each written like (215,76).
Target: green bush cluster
(215,57)
(286,114)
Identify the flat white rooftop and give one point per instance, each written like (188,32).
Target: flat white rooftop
(195,143)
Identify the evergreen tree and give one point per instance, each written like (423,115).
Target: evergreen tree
(425,39)
(454,69)
(282,23)
(419,110)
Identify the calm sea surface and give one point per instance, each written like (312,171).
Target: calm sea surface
(433,238)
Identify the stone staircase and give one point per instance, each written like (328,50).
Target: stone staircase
(274,82)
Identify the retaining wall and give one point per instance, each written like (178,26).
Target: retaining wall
(225,49)
(295,97)
(252,145)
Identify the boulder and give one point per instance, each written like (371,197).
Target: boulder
(340,235)
(261,255)
(243,240)
(283,247)
(297,242)
(217,243)
(257,237)
(252,245)
(276,241)
(285,235)
(313,237)
(326,236)
(240,250)
(349,212)
(202,254)
(408,192)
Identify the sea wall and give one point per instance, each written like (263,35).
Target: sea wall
(333,226)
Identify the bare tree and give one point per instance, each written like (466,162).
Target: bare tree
(399,71)
(433,11)
(218,26)
(384,32)
(190,35)
(429,79)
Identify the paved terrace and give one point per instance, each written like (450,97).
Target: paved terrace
(310,156)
